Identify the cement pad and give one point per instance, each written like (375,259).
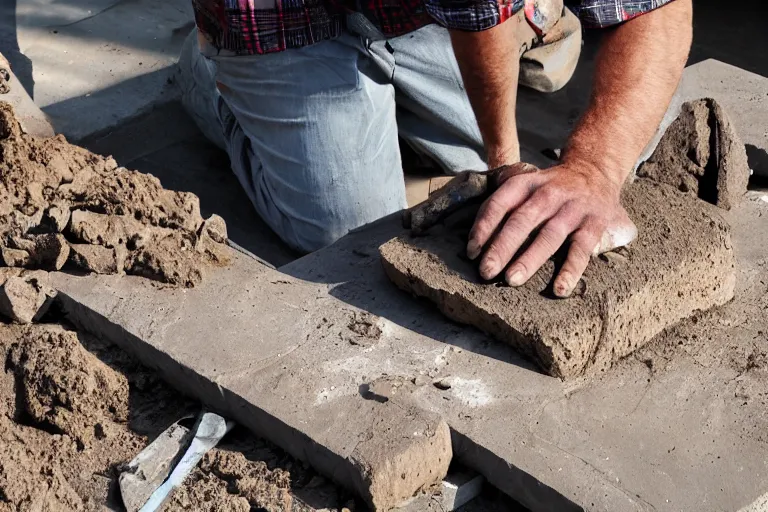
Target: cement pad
(681,425)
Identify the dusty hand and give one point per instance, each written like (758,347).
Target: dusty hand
(567,202)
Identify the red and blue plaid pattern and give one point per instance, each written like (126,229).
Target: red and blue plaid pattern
(247,27)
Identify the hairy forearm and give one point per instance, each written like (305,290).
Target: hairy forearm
(637,71)
(489,66)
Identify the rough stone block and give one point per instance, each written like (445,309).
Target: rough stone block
(701,154)
(25,298)
(95,258)
(681,262)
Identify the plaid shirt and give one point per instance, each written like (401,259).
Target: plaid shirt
(246,27)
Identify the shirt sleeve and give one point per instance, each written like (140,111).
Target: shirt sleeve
(472,15)
(477,15)
(606,13)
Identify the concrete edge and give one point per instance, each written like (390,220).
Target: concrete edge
(509,479)
(379,484)
(189,383)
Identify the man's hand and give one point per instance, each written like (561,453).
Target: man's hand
(637,70)
(564,202)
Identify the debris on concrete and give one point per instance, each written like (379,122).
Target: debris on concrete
(25,297)
(701,154)
(682,262)
(74,411)
(64,205)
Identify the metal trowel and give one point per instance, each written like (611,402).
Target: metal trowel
(149,479)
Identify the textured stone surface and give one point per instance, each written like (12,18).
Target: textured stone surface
(681,263)
(701,154)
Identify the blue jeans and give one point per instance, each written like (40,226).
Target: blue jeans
(312,133)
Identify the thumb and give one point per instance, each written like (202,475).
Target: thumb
(620,232)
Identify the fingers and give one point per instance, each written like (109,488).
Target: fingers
(509,196)
(548,241)
(583,242)
(520,224)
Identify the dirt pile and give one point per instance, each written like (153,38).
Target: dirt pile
(73,411)
(62,417)
(701,154)
(63,206)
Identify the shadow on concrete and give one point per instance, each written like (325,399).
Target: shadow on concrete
(758,162)
(352,268)
(734,33)
(9,46)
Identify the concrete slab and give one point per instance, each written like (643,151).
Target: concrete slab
(680,425)
(681,263)
(239,344)
(30,116)
(92,64)
(674,427)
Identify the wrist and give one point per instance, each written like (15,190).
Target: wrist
(500,155)
(611,174)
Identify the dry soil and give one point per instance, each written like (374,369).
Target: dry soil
(73,410)
(62,206)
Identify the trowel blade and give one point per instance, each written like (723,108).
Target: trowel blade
(149,469)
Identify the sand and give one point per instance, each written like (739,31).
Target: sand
(63,207)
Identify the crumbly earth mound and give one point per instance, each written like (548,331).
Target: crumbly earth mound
(74,410)
(61,205)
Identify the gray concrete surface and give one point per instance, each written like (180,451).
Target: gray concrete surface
(92,64)
(678,426)
(239,343)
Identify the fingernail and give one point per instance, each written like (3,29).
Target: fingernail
(489,268)
(563,285)
(516,278)
(473,249)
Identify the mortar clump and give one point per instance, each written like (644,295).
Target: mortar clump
(62,206)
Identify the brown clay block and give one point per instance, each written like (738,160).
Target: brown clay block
(95,258)
(407,449)
(23,298)
(681,262)
(701,154)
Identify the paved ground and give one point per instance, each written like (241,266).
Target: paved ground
(92,64)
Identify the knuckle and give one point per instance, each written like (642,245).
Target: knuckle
(551,237)
(581,248)
(548,195)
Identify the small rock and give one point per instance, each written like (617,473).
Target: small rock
(15,257)
(59,167)
(50,251)
(443,384)
(95,258)
(24,298)
(216,228)
(108,230)
(58,217)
